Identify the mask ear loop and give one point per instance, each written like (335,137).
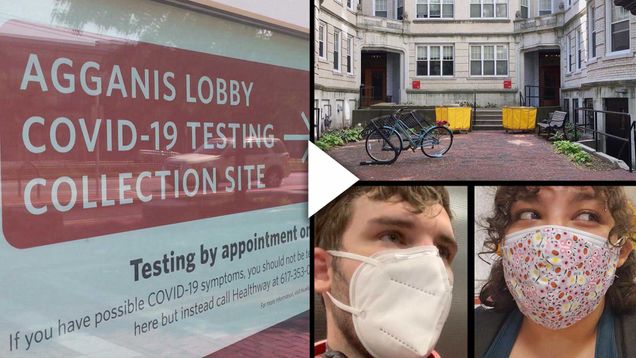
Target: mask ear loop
(342,306)
(348,255)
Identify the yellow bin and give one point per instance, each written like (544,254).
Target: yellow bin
(519,118)
(458,118)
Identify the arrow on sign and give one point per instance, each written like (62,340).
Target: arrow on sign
(303,137)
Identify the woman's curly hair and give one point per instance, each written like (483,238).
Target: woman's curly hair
(621,296)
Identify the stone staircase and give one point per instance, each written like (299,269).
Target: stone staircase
(488,119)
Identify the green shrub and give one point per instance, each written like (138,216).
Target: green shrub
(574,152)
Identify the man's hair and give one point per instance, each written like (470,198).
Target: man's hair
(332,220)
(621,296)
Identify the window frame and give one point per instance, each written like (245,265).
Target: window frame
(386,8)
(539,9)
(495,60)
(441,60)
(442,4)
(494,3)
(570,57)
(322,33)
(578,37)
(349,55)
(609,37)
(527,6)
(592,32)
(351,5)
(337,51)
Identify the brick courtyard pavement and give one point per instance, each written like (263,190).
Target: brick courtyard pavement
(478,155)
(289,338)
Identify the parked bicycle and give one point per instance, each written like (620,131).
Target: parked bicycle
(387,137)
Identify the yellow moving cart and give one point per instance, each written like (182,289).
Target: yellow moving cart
(519,118)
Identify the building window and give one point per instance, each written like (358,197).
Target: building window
(579,49)
(350,55)
(545,7)
(570,54)
(575,105)
(350,5)
(435,60)
(336,50)
(489,8)
(592,30)
(488,60)
(619,27)
(434,9)
(400,9)
(524,9)
(380,8)
(322,34)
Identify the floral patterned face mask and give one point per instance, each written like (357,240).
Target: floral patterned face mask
(556,274)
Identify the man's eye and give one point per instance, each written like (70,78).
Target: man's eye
(587,216)
(392,237)
(528,215)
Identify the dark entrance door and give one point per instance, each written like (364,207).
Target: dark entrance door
(549,78)
(373,78)
(618,125)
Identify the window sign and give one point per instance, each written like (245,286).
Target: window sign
(153,179)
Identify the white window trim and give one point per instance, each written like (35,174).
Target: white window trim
(350,53)
(339,44)
(568,45)
(324,40)
(495,59)
(481,7)
(441,58)
(428,8)
(608,31)
(591,22)
(578,56)
(353,5)
(387,8)
(521,6)
(539,8)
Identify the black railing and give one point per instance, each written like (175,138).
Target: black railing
(534,94)
(589,113)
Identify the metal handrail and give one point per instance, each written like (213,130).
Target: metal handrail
(628,140)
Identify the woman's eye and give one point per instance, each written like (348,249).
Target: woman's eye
(528,215)
(587,217)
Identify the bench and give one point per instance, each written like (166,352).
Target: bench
(555,123)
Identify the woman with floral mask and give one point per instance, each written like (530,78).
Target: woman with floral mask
(563,284)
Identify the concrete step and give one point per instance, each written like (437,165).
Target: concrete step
(478,127)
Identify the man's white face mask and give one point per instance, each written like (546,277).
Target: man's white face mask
(399,300)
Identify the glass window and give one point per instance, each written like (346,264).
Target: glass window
(545,7)
(592,31)
(524,9)
(579,49)
(434,9)
(619,28)
(321,40)
(570,54)
(380,8)
(489,8)
(435,60)
(422,61)
(336,50)
(488,60)
(350,54)
(475,60)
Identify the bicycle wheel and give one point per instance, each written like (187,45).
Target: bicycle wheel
(437,141)
(384,145)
